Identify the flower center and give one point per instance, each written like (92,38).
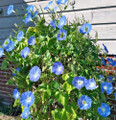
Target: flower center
(59,68)
(85,29)
(29,99)
(92,84)
(6,43)
(80,82)
(84,102)
(62,35)
(36,74)
(103,109)
(105,87)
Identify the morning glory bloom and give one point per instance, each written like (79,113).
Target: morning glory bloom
(53,24)
(78,82)
(105,48)
(20,36)
(10,46)
(90,84)
(104,110)
(35,14)
(28,18)
(62,35)
(84,102)
(86,28)
(103,62)
(111,62)
(48,6)
(62,22)
(61,2)
(1,52)
(31,40)
(35,73)
(16,94)
(25,113)
(6,43)
(10,9)
(17,69)
(101,77)
(57,68)
(108,87)
(27,98)
(30,8)
(25,52)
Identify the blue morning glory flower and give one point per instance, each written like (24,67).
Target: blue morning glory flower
(6,43)
(101,77)
(35,73)
(62,35)
(35,14)
(105,48)
(86,28)
(53,24)
(10,9)
(78,82)
(30,8)
(17,69)
(31,40)
(27,98)
(28,18)
(110,78)
(16,94)
(111,62)
(104,110)
(20,36)
(1,52)
(103,62)
(61,2)
(25,52)
(10,46)
(48,6)
(90,84)
(84,102)
(25,113)
(108,87)
(62,22)
(57,68)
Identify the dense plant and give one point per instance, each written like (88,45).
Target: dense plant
(55,67)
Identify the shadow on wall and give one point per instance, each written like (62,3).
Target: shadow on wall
(7,21)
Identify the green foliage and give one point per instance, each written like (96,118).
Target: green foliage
(55,96)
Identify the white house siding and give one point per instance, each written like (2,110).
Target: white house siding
(100,13)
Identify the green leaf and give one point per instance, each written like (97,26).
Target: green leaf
(4,65)
(68,87)
(103,97)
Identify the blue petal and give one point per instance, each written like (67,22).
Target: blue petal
(35,74)
(78,82)
(61,2)
(10,9)
(48,6)
(25,52)
(25,113)
(59,37)
(105,48)
(20,36)
(62,22)
(1,52)
(30,8)
(16,94)
(28,18)
(27,99)
(57,68)
(85,26)
(31,40)
(10,46)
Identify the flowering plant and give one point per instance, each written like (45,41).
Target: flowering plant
(55,67)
